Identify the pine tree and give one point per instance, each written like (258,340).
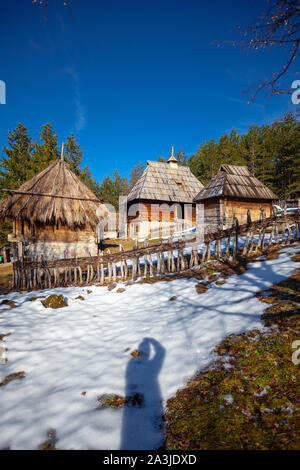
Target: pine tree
(16,163)
(285,146)
(181,157)
(15,166)
(112,188)
(47,151)
(73,153)
(135,174)
(87,178)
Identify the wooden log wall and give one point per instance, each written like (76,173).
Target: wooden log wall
(166,257)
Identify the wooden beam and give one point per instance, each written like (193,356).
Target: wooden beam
(32,193)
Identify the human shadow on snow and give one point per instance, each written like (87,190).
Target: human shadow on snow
(142,424)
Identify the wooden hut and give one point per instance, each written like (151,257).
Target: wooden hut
(231,193)
(54,215)
(162,199)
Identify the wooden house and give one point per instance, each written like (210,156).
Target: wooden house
(162,199)
(231,193)
(54,215)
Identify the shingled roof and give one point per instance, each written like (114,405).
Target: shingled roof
(235,181)
(163,182)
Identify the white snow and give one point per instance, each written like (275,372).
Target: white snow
(83,348)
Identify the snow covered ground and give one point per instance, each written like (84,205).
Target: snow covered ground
(86,347)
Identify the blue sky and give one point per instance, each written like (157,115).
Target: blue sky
(132,78)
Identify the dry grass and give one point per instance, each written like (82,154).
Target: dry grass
(6,277)
(127,244)
(252,402)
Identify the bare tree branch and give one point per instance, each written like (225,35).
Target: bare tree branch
(279,27)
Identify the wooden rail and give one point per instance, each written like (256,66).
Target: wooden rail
(165,257)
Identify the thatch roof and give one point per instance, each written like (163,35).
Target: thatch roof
(163,182)
(56,180)
(237,182)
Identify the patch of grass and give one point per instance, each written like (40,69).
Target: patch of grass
(117,401)
(201,287)
(111,286)
(249,398)
(55,301)
(80,297)
(6,277)
(50,443)
(220,283)
(14,376)
(127,244)
(10,303)
(3,336)
(136,353)
(111,401)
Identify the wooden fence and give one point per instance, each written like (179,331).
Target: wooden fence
(166,257)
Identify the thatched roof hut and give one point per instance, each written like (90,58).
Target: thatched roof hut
(231,193)
(161,196)
(54,214)
(55,196)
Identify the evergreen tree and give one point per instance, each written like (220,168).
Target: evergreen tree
(135,174)
(87,178)
(285,146)
(181,157)
(73,154)
(112,188)
(206,162)
(16,163)
(47,151)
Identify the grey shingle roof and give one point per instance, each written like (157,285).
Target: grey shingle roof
(163,182)
(235,181)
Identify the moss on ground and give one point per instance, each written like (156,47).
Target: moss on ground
(55,301)
(249,398)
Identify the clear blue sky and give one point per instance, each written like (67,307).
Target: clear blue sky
(131,78)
